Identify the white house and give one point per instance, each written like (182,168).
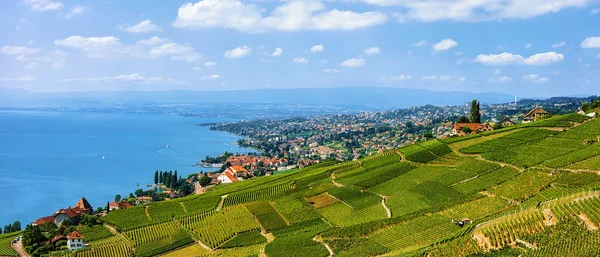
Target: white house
(226,177)
(74,241)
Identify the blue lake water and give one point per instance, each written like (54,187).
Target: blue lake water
(48,160)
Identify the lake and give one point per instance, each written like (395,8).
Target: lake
(48,160)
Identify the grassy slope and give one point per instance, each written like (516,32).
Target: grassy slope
(490,177)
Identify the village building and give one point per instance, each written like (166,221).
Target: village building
(72,213)
(233,174)
(459,128)
(74,241)
(536,114)
(506,122)
(143,200)
(120,205)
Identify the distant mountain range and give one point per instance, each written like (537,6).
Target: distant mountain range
(380,96)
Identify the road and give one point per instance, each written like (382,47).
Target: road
(18,246)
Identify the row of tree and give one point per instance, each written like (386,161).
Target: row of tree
(16,226)
(587,106)
(168,179)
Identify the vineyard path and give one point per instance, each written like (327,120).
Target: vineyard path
(114,231)
(588,223)
(318,239)
(387,210)
(220,205)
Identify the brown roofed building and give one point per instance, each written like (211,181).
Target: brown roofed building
(84,206)
(536,114)
(43,220)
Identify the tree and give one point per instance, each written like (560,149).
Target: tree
(467,130)
(186,189)
(475,114)
(139,192)
(130,196)
(585,106)
(167,181)
(156,177)
(99,210)
(16,226)
(498,126)
(204,180)
(32,235)
(160,178)
(117,198)
(107,207)
(428,135)
(463,119)
(175,174)
(0,230)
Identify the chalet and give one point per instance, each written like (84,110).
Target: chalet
(536,114)
(233,174)
(458,128)
(120,205)
(74,241)
(143,200)
(506,122)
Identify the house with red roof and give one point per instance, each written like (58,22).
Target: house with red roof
(74,241)
(120,205)
(233,174)
(72,213)
(459,128)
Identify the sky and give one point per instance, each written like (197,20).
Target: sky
(525,48)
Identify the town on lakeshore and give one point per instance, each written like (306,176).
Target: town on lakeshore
(284,145)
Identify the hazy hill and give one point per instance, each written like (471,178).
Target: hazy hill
(380,96)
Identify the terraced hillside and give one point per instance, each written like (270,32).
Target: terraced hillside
(525,190)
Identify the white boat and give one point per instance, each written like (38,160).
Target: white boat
(103,157)
(167,146)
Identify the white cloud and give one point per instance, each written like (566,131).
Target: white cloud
(445,78)
(290,16)
(300,60)
(501,79)
(353,62)
(535,78)
(400,77)
(598,56)
(444,45)
(142,27)
(331,70)
(210,64)
(462,79)
(497,71)
(421,43)
(18,50)
(528,45)
(473,11)
(76,10)
(134,78)
(25,78)
(594,11)
(557,45)
(238,52)
(372,51)
(591,42)
(277,52)
(211,77)
(458,53)
(43,5)
(509,58)
(196,68)
(429,77)
(544,58)
(153,41)
(110,47)
(317,48)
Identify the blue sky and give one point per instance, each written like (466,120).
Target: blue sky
(526,48)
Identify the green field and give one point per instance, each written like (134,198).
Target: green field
(529,183)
